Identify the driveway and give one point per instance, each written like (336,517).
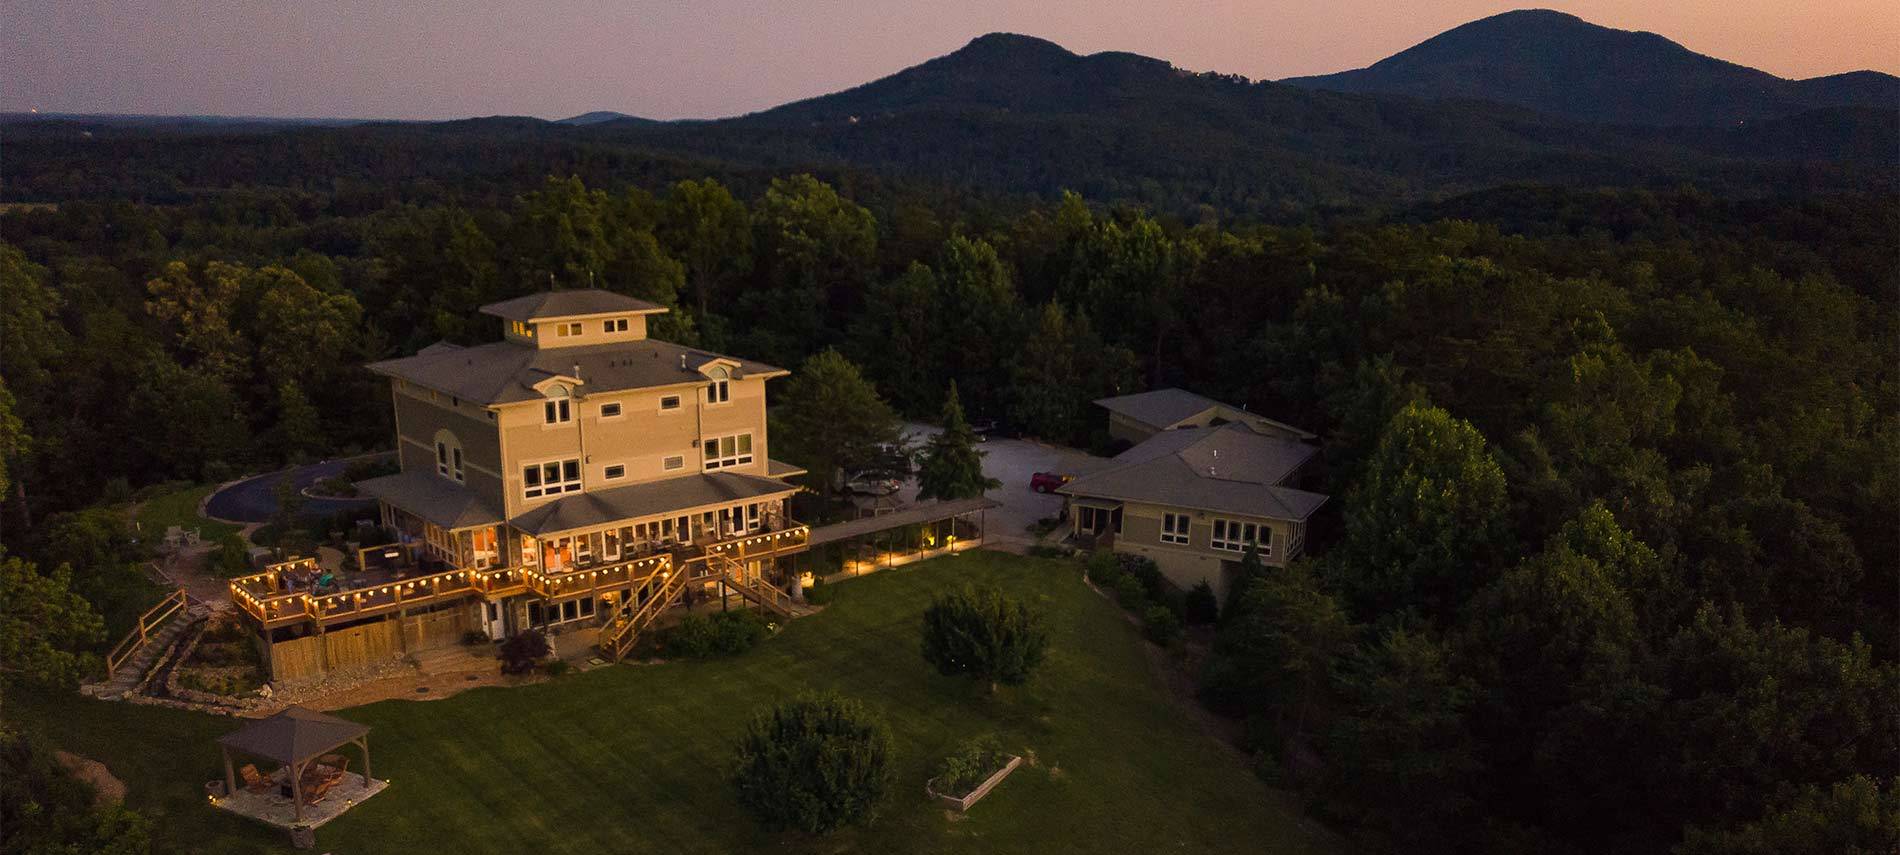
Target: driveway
(253,500)
(1013,461)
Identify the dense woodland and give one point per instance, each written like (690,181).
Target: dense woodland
(1612,564)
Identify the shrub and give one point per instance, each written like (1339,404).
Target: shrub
(1048,550)
(722,634)
(980,632)
(1201,606)
(231,558)
(1161,625)
(556,668)
(1103,568)
(522,651)
(814,763)
(819,592)
(474,637)
(973,763)
(1128,591)
(1147,572)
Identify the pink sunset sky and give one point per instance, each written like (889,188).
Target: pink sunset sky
(437,59)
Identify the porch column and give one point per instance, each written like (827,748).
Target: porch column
(230,777)
(364,744)
(296,790)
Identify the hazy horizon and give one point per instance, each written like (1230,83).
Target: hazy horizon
(430,59)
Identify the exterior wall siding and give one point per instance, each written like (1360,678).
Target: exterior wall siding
(593,331)
(1188,564)
(419,419)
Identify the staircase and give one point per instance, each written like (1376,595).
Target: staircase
(758,591)
(619,635)
(139,652)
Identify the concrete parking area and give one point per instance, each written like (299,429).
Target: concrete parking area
(1013,461)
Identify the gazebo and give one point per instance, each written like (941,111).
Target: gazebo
(295,737)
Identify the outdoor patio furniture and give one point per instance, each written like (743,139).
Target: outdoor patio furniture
(335,761)
(255,781)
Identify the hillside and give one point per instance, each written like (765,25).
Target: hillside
(1565,66)
(1013,115)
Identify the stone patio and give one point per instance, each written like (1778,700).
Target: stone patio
(276,809)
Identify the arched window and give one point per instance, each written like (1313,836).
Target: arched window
(558,409)
(721,389)
(448,456)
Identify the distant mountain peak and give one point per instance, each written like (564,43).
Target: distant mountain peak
(1558,63)
(597,117)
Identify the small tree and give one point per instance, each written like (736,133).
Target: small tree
(815,763)
(45,628)
(980,632)
(522,650)
(952,468)
(831,419)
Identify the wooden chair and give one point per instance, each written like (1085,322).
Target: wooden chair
(254,780)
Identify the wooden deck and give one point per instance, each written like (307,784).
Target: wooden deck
(261,595)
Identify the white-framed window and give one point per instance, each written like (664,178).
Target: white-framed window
(610,411)
(614,325)
(669,402)
(615,471)
(752,517)
(551,478)
(567,330)
(558,408)
(448,456)
(723,451)
(677,461)
(1174,528)
(1236,536)
(720,390)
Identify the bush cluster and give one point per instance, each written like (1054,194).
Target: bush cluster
(1137,584)
(819,592)
(522,651)
(721,634)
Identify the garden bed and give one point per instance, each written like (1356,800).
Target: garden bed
(964,778)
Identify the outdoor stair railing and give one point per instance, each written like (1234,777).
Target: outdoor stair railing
(619,635)
(148,626)
(756,590)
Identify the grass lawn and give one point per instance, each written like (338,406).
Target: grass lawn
(632,758)
(181,509)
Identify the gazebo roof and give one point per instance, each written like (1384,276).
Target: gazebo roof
(294,735)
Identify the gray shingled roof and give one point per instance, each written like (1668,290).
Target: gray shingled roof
(1226,468)
(1163,408)
(584,510)
(505,372)
(294,735)
(566,304)
(432,497)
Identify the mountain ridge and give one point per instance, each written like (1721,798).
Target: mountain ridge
(1563,65)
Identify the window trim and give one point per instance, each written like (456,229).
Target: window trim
(719,458)
(542,488)
(614,325)
(678,404)
(618,410)
(719,392)
(673,463)
(562,407)
(614,472)
(1223,537)
(1168,534)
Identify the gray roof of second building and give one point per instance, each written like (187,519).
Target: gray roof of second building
(1162,408)
(504,372)
(577,302)
(584,510)
(432,497)
(1226,468)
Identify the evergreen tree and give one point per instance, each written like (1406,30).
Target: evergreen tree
(952,467)
(831,420)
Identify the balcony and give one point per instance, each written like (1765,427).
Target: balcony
(281,595)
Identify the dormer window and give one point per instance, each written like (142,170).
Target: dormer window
(558,409)
(616,325)
(721,389)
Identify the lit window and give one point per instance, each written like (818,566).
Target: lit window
(616,471)
(567,330)
(608,411)
(669,402)
(1174,528)
(724,451)
(549,479)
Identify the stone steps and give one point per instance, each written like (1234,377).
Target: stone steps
(133,672)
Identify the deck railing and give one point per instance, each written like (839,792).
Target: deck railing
(261,597)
